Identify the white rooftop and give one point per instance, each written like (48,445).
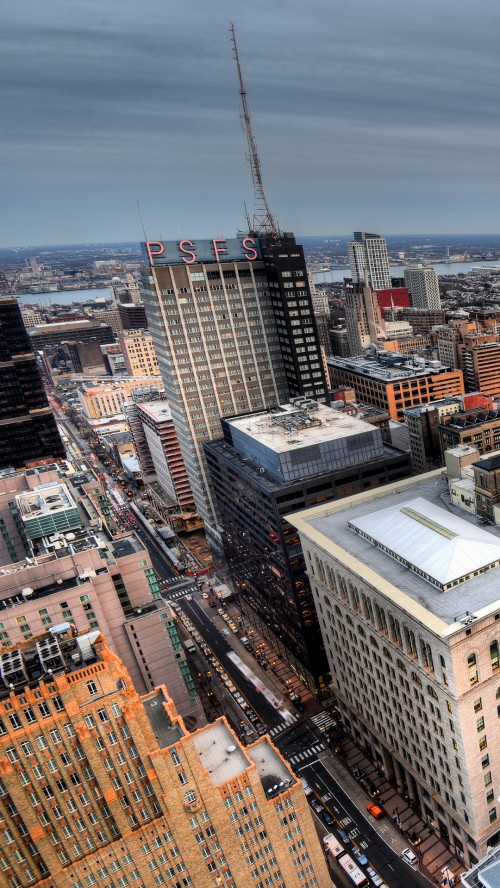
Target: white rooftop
(283,430)
(430,540)
(220,753)
(158,410)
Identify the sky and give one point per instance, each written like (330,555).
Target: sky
(376,115)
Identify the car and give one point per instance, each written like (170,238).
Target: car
(375,811)
(360,856)
(252,716)
(326,817)
(343,835)
(415,839)
(305,786)
(260,728)
(410,856)
(220,611)
(204,595)
(316,804)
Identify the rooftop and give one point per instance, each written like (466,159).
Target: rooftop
(46,499)
(166,731)
(333,524)
(158,410)
(392,368)
(485,874)
(274,775)
(290,426)
(490,464)
(433,543)
(219,752)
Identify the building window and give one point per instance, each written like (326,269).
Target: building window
(472,667)
(494,655)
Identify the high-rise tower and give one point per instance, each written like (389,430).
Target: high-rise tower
(233,327)
(423,285)
(28,430)
(369,260)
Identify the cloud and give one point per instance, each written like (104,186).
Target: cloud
(386,109)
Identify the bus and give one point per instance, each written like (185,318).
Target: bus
(354,873)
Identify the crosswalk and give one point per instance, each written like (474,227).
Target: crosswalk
(324,721)
(278,729)
(306,754)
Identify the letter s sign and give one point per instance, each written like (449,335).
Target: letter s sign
(188,252)
(248,244)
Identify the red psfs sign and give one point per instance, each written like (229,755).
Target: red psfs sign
(188,252)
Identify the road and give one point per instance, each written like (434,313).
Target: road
(299,740)
(220,646)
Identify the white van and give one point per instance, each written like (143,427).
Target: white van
(305,786)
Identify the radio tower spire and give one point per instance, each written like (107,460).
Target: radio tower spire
(263,221)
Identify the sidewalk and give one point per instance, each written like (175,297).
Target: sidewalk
(402,818)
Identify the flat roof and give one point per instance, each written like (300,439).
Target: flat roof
(290,426)
(441,546)
(166,731)
(274,775)
(328,526)
(220,753)
(389,372)
(158,410)
(46,499)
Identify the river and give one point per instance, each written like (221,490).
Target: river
(441,268)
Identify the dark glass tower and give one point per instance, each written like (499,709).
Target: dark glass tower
(28,430)
(293,309)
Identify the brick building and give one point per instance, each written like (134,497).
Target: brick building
(101,786)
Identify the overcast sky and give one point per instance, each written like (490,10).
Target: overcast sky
(381,115)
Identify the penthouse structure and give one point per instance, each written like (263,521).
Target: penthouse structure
(266,466)
(394,382)
(99,783)
(409,608)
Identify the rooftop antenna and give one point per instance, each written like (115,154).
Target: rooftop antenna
(263,221)
(142,221)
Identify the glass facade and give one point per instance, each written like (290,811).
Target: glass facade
(28,430)
(263,550)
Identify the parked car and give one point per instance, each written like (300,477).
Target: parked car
(360,856)
(410,856)
(260,728)
(326,817)
(316,804)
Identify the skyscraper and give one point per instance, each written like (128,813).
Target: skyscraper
(28,430)
(214,331)
(367,255)
(423,285)
(102,786)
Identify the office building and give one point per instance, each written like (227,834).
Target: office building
(28,430)
(482,367)
(216,340)
(110,316)
(102,786)
(49,335)
(63,558)
(478,427)
(369,261)
(266,466)
(423,285)
(31,317)
(421,320)
(162,466)
(423,429)
(138,351)
(132,315)
(86,358)
(407,595)
(394,382)
(100,398)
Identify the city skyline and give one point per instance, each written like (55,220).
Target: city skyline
(372,115)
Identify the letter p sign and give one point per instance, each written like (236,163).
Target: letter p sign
(153,253)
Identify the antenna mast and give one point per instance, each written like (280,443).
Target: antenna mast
(263,221)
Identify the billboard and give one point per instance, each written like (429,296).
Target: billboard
(189,252)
